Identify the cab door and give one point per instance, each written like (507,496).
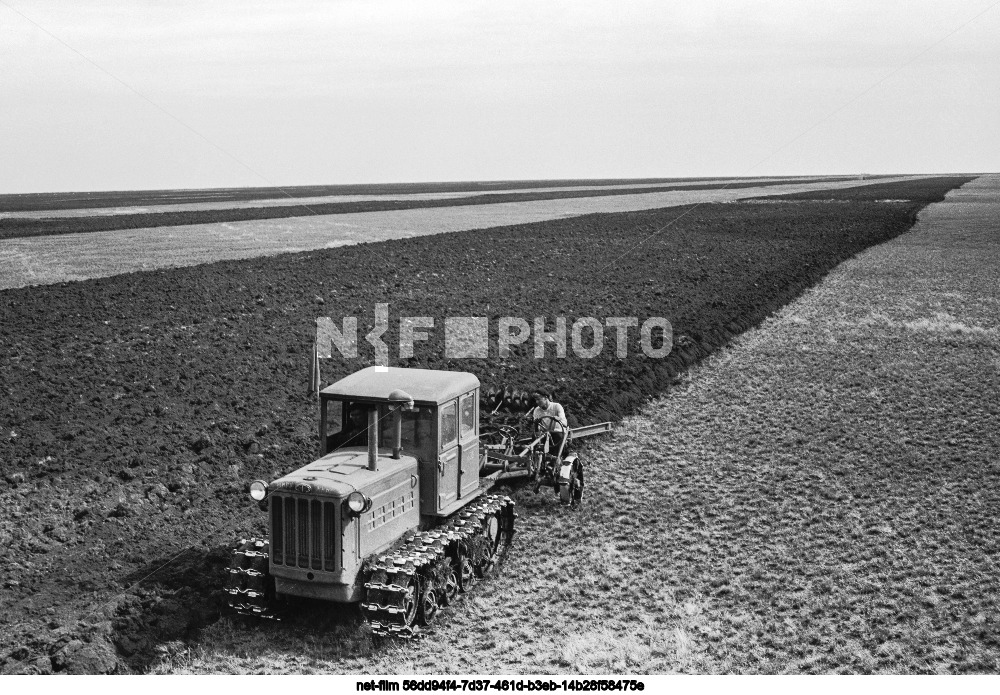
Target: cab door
(468,428)
(449,454)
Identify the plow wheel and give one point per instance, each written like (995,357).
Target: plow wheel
(499,435)
(571,493)
(428,605)
(449,592)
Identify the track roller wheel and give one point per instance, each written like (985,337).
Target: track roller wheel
(491,530)
(428,605)
(449,592)
(466,574)
(410,604)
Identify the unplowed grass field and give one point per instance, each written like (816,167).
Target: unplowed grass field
(134,416)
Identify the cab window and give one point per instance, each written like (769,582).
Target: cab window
(333,422)
(334,416)
(468,421)
(346,424)
(416,426)
(449,425)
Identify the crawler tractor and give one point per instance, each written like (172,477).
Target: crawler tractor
(395,514)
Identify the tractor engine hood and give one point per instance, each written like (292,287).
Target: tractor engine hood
(341,472)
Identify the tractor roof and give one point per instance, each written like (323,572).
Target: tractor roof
(423,385)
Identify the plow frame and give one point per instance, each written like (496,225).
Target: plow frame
(523,457)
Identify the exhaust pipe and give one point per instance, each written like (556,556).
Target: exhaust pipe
(397,433)
(373,439)
(400,401)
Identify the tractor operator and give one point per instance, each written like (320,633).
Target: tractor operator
(557,425)
(356,431)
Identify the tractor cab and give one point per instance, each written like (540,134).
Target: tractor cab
(426,414)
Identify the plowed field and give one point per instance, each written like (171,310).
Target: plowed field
(72,252)
(13,228)
(136,408)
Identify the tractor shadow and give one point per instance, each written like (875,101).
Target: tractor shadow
(176,599)
(172,598)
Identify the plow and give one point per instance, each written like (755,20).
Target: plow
(514,454)
(512,446)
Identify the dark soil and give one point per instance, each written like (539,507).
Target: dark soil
(135,409)
(19,202)
(922,191)
(27,227)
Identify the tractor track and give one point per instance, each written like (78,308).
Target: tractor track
(432,567)
(405,586)
(247,586)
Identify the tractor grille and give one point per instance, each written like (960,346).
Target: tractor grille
(304,533)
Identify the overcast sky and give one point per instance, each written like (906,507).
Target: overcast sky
(354,91)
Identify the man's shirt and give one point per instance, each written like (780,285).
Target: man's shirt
(558,424)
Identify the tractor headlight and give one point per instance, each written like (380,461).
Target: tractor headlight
(358,503)
(258,490)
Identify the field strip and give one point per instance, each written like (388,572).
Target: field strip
(831,477)
(11,202)
(65,257)
(318,200)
